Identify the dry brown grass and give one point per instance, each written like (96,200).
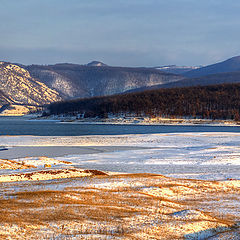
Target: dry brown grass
(127,212)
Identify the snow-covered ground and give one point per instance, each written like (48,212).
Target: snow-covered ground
(89,204)
(191,155)
(127,206)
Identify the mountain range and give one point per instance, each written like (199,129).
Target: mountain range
(36,85)
(97,79)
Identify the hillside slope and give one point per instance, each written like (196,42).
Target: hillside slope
(80,81)
(17,87)
(213,79)
(230,65)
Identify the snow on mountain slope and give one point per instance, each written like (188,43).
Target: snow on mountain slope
(79,81)
(19,88)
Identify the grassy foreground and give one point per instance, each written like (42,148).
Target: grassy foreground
(131,206)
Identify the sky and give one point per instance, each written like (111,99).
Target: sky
(119,32)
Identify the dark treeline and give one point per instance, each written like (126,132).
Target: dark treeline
(211,102)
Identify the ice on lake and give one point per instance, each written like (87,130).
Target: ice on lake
(192,155)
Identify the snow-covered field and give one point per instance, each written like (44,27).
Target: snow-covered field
(191,155)
(131,206)
(54,195)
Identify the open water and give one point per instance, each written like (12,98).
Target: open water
(24,126)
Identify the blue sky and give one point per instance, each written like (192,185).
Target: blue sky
(119,32)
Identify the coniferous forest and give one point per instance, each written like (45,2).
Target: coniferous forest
(208,102)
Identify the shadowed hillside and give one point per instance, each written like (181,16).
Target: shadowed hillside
(213,79)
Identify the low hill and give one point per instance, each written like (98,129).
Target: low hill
(230,65)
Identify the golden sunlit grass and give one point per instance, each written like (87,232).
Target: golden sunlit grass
(134,206)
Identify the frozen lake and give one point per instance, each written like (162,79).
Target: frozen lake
(203,152)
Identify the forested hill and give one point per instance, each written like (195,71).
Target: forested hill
(212,102)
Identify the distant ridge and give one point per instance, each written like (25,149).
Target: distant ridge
(229,65)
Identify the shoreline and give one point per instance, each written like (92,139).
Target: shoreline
(142,121)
